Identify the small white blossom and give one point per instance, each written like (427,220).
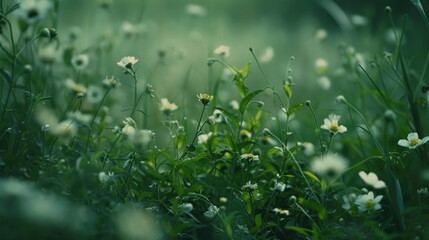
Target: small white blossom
(249,186)
(186,207)
(268,55)
(321,66)
(329,165)
(349,201)
(372,180)
(103,177)
(412,141)
(202,138)
(196,10)
(307,148)
(32,11)
(321,35)
(281,211)
(367,202)
(331,124)
(222,50)
(80,61)
(279,186)
(166,107)
(127,62)
(324,82)
(94,94)
(249,157)
(212,211)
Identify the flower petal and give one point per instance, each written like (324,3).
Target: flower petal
(404,143)
(412,136)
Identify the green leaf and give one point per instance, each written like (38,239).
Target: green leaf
(287,87)
(247,99)
(312,176)
(258,221)
(67,56)
(295,107)
(420,9)
(303,231)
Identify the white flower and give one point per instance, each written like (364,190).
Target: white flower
(111,82)
(307,148)
(349,201)
(372,180)
(267,55)
(130,29)
(186,207)
(49,54)
(103,177)
(80,61)
(202,138)
(218,116)
(279,186)
(212,211)
(66,129)
(196,10)
(166,107)
(331,124)
(367,202)
(324,82)
(412,141)
(249,186)
(222,50)
(281,211)
(94,94)
(249,157)
(127,62)
(329,165)
(359,20)
(140,138)
(321,65)
(75,87)
(32,11)
(321,34)
(234,104)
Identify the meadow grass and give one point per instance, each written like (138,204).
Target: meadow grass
(98,142)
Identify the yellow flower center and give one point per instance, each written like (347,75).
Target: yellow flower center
(334,127)
(414,142)
(370,204)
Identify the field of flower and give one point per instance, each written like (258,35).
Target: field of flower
(216,119)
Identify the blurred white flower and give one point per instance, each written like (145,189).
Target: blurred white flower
(130,29)
(281,211)
(329,165)
(321,35)
(111,82)
(49,54)
(80,61)
(349,201)
(212,211)
(331,124)
(32,11)
(307,148)
(127,62)
(367,202)
(66,129)
(412,141)
(222,50)
(372,180)
(359,20)
(140,138)
(94,94)
(267,55)
(186,207)
(80,117)
(166,107)
(249,157)
(105,177)
(75,87)
(279,186)
(324,82)
(134,223)
(196,10)
(321,65)
(218,116)
(202,138)
(234,104)
(249,186)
